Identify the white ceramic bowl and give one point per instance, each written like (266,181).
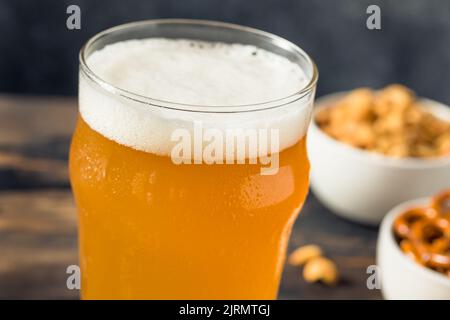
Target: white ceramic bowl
(401,277)
(363,186)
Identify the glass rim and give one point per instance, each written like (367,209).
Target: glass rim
(204,108)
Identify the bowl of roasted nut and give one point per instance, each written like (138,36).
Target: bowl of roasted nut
(413,250)
(373,149)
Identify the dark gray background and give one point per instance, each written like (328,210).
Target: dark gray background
(38,55)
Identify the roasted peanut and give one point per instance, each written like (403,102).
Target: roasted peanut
(320,269)
(443,143)
(301,255)
(396,96)
(358,104)
(389,121)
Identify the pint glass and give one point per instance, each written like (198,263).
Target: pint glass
(157,223)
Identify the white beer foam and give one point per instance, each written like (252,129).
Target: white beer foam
(190,72)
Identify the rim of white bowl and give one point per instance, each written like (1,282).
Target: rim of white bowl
(387,224)
(379,158)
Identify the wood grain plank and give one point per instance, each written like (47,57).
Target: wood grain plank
(32,120)
(34,141)
(37,243)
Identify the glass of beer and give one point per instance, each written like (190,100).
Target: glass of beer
(188,162)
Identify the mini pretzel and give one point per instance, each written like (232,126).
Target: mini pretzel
(424,233)
(441,204)
(431,238)
(440,253)
(403,223)
(410,250)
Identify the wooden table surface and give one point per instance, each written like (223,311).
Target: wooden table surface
(38,238)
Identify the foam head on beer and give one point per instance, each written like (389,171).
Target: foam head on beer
(210,76)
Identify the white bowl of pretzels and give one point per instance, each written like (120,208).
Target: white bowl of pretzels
(413,250)
(371,150)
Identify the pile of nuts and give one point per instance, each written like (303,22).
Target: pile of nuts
(423,233)
(316,267)
(389,121)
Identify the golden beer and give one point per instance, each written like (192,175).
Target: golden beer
(153,229)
